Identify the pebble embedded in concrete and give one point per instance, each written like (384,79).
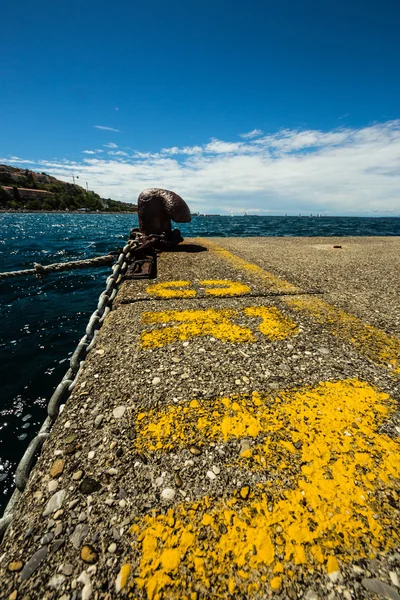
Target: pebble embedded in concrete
(55,502)
(168,494)
(119,412)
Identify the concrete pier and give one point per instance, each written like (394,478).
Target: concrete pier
(234,433)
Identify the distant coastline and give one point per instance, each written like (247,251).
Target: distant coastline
(25,191)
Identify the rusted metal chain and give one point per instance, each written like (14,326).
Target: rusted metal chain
(67,384)
(41,270)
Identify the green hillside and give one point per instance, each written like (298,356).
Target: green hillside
(21,189)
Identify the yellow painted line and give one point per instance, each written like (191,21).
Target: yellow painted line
(219,324)
(274,282)
(378,346)
(213,287)
(193,323)
(340,477)
(224,287)
(170,289)
(273,323)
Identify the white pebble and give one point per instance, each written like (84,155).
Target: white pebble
(56,581)
(119,412)
(394,578)
(52,485)
(98,420)
(216,469)
(334,576)
(91,454)
(112,548)
(159,481)
(156,381)
(54,503)
(67,425)
(168,494)
(185,344)
(211,475)
(122,503)
(358,570)
(112,471)
(87,585)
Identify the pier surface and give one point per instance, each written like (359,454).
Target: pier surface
(234,433)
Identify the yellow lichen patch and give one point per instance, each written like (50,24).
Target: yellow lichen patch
(274,324)
(225,287)
(336,466)
(274,283)
(194,323)
(380,347)
(170,289)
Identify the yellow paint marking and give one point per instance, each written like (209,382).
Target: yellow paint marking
(217,323)
(274,324)
(214,287)
(274,282)
(227,287)
(316,507)
(194,323)
(168,289)
(380,347)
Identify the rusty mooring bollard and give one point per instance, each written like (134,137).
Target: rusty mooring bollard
(156,208)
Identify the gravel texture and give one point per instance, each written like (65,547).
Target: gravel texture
(176,468)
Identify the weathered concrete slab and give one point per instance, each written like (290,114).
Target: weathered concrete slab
(222,442)
(361,277)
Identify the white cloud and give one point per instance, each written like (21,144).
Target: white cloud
(16,160)
(118,153)
(173,150)
(88,152)
(340,171)
(185,150)
(251,134)
(219,147)
(110,145)
(106,128)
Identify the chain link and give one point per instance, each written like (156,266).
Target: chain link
(65,387)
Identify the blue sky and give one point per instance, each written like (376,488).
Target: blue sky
(129,95)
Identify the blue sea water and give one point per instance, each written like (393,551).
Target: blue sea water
(42,320)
